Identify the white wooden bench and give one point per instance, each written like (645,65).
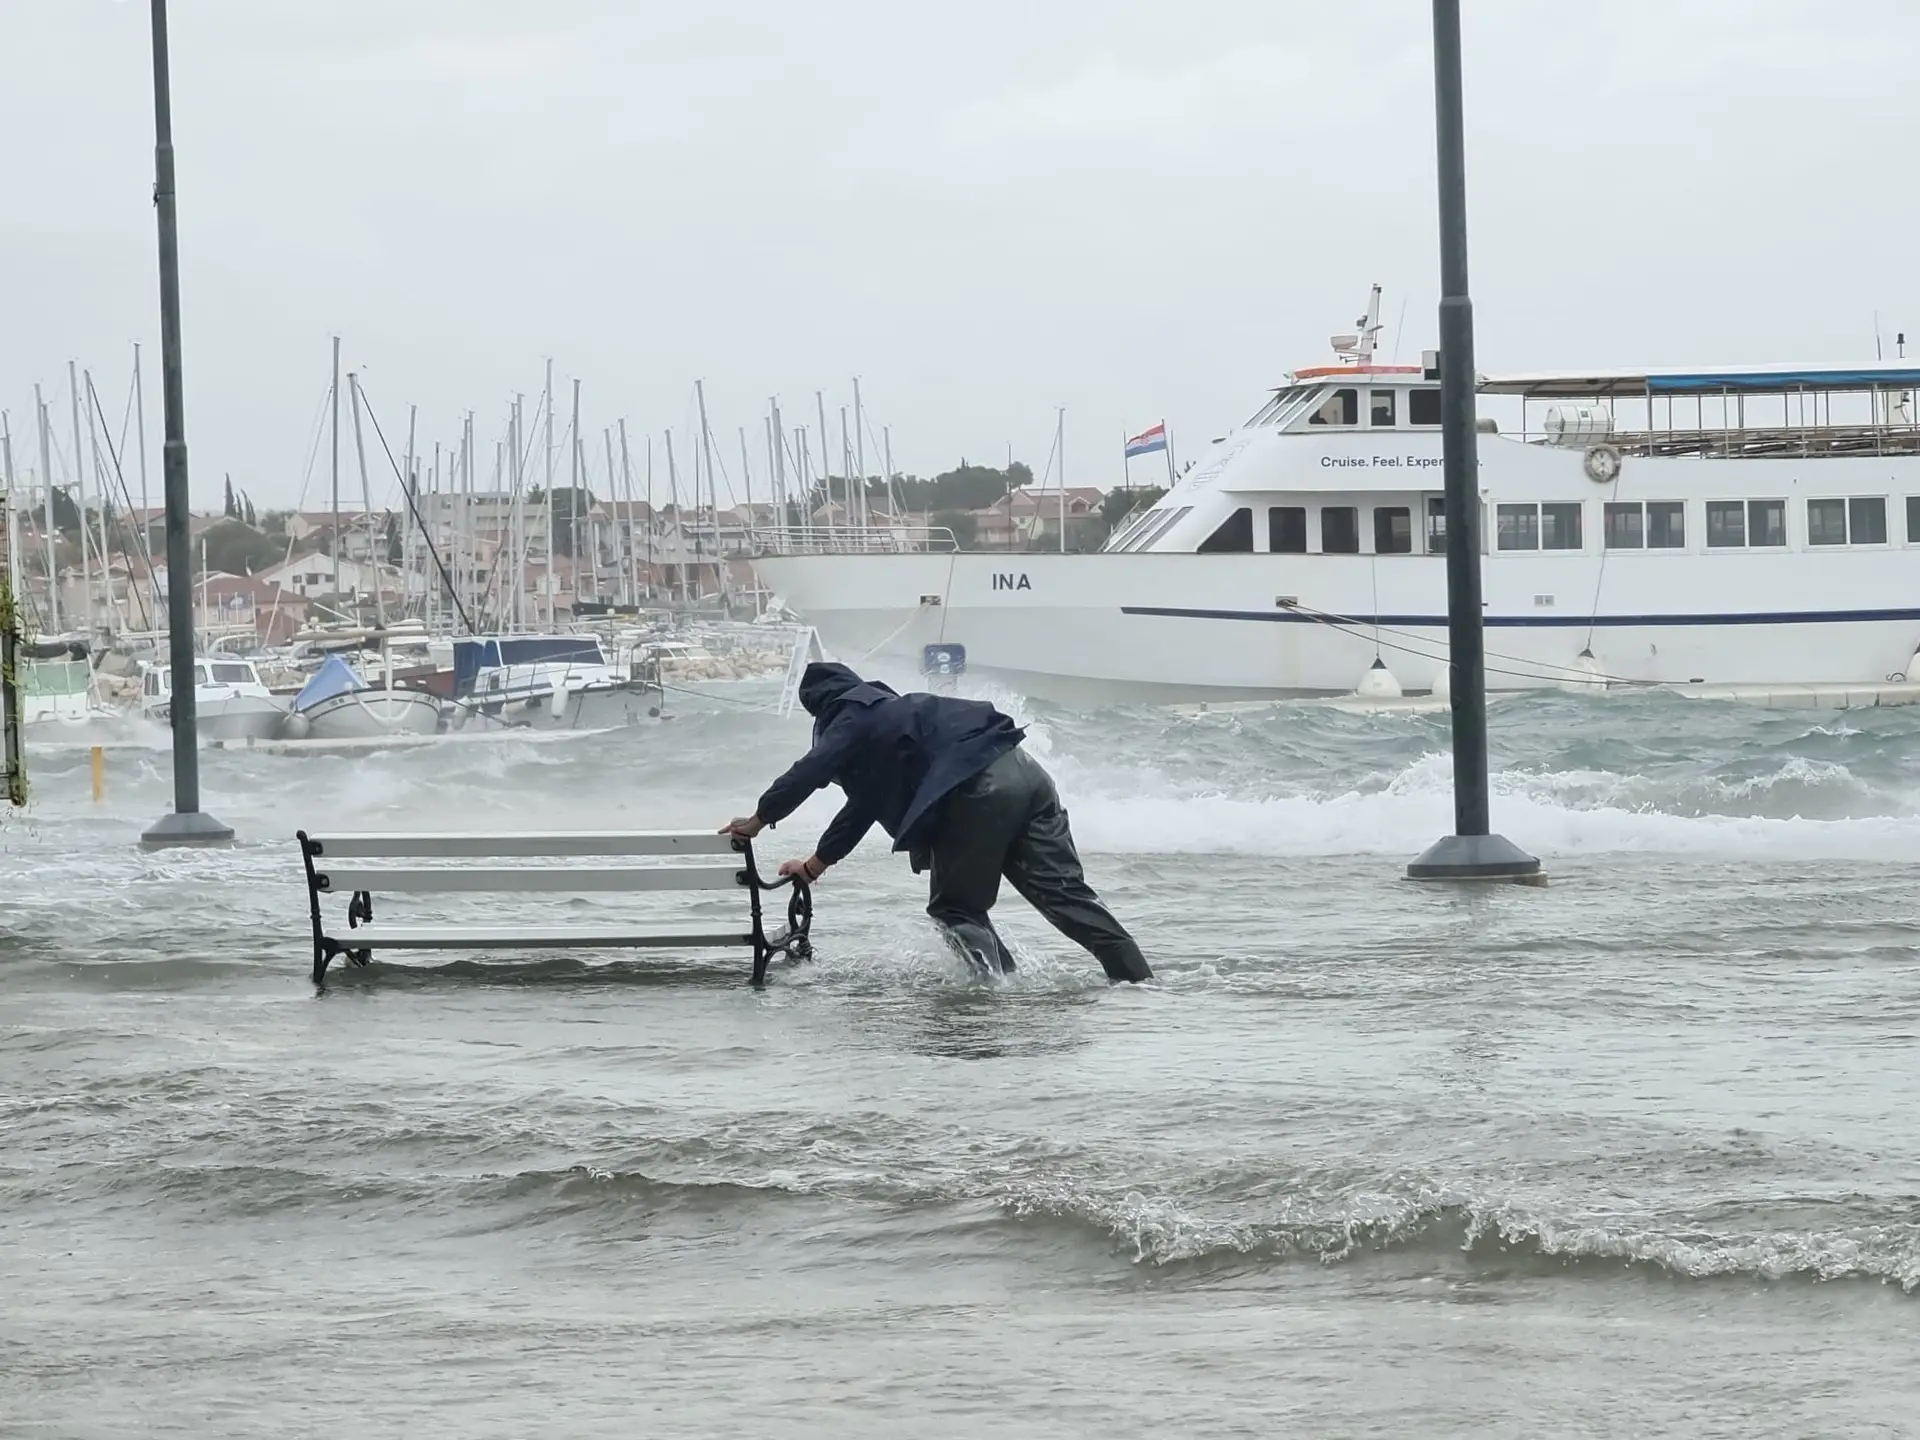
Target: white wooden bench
(717,862)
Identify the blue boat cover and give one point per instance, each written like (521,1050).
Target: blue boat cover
(334,677)
(1840,378)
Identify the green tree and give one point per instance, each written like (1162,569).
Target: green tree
(251,519)
(965,528)
(66,515)
(231,510)
(1121,503)
(235,548)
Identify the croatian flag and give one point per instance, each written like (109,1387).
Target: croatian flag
(1148,441)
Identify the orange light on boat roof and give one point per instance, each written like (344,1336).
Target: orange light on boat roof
(1321,372)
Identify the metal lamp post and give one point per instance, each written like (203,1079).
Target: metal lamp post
(187,825)
(1471,852)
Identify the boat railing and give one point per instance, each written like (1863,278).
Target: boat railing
(1746,443)
(853,540)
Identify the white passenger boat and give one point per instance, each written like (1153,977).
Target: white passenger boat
(1731,526)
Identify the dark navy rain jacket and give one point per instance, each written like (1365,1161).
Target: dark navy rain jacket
(896,756)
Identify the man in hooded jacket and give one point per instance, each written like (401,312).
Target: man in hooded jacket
(947,779)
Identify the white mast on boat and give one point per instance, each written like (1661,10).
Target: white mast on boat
(409,497)
(650,517)
(546,398)
(366,501)
(713,492)
(80,478)
(886,463)
(333,401)
(517,525)
(146,513)
(860,454)
(1060,455)
(673,494)
(573,507)
(46,479)
(826,472)
(626,475)
(106,492)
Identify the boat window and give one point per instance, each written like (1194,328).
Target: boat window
(1436,524)
(1666,525)
(1340,528)
(1268,412)
(1287,529)
(1826,522)
(1392,530)
(1342,408)
(1867,520)
(1382,410)
(1165,521)
(1423,407)
(1233,537)
(1623,527)
(1913,519)
(1726,524)
(1766,522)
(1517,527)
(232,674)
(199,674)
(1560,527)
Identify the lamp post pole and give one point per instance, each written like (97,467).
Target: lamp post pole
(1472,852)
(188,824)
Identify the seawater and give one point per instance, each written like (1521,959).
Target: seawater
(1632,1154)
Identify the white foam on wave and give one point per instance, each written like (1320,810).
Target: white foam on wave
(1566,812)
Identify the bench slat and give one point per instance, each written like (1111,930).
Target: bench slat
(372,844)
(344,880)
(540,937)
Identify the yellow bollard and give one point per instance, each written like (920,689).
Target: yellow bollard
(99,774)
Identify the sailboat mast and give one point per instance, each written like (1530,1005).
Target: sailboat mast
(410,495)
(106,493)
(573,501)
(46,479)
(517,527)
(679,530)
(80,476)
(886,464)
(333,395)
(546,398)
(1060,454)
(650,517)
(626,480)
(860,451)
(713,487)
(366,501)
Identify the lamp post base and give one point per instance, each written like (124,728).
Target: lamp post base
(192,828)
(1477,857)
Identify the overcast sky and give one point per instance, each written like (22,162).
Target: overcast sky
(985,211)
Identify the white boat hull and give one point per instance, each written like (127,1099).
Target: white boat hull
(371,714)
(594,707)
(1167,628)
(237,717)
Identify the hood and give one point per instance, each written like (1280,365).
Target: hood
(826,687)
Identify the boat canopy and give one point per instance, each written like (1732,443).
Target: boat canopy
(1599,384)
(471,656)
(334,677)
